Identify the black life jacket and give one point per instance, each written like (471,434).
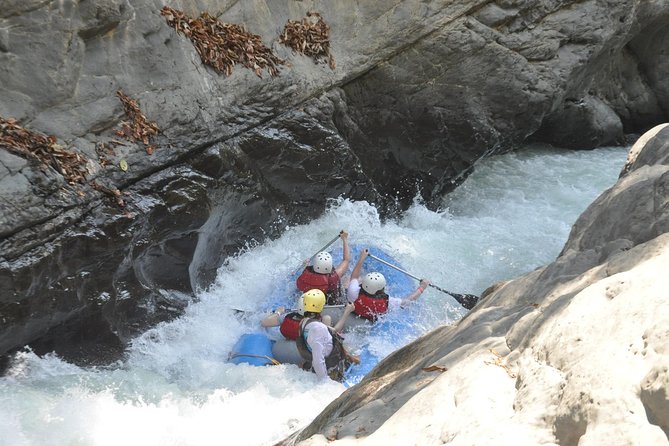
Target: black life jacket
(336,362)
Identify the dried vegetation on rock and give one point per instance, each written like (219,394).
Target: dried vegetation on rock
(70,164)
(309,36)
(222,45)
(113,193)
(43,149)
(139,128)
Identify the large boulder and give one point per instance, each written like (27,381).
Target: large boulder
(421,90)
(572,353)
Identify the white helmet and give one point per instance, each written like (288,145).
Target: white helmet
(323,263)
(373,282)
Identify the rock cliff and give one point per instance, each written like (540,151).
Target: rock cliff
(573,353)
(420,91)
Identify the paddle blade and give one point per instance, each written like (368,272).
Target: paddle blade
(466,300)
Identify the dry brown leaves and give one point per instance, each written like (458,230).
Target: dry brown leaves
(44,149)
(115,194)
(139,128)
(106,150)
(435,368)
(500,362)
(310,36)
(222,45)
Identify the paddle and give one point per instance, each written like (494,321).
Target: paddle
(322,249)
(466,300)
(237,310)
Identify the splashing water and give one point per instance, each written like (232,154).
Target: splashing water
(176,388)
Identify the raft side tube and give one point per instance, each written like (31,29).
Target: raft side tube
(254,349)
(352,322)
(286,352)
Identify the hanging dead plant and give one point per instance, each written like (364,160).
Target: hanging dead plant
(309,36)
(43,149)
(138,128)
(223,45)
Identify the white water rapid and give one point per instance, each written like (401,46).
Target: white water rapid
(175,388)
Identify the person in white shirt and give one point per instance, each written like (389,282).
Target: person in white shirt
(321,346)
(368,295)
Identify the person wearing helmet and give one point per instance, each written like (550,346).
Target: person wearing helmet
(321,346)
(323,276)
(368,295)
(282,324)
(285,323)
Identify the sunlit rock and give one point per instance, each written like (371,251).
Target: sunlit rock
(572,353)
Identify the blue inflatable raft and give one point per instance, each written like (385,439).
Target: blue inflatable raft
(253,349)
(259,350)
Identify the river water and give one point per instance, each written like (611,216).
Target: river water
(175,387)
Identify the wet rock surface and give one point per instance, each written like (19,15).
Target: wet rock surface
(420,90)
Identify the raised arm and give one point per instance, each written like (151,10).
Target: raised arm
(273,319)
(348,309)
(416,294)
(343,266)
(358,266)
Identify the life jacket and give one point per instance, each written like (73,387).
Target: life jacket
(290,327)
(336,362)
(370,306)
(327,283)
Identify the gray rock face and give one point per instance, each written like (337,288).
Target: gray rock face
(584,124)
(421,89)
(572,353)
